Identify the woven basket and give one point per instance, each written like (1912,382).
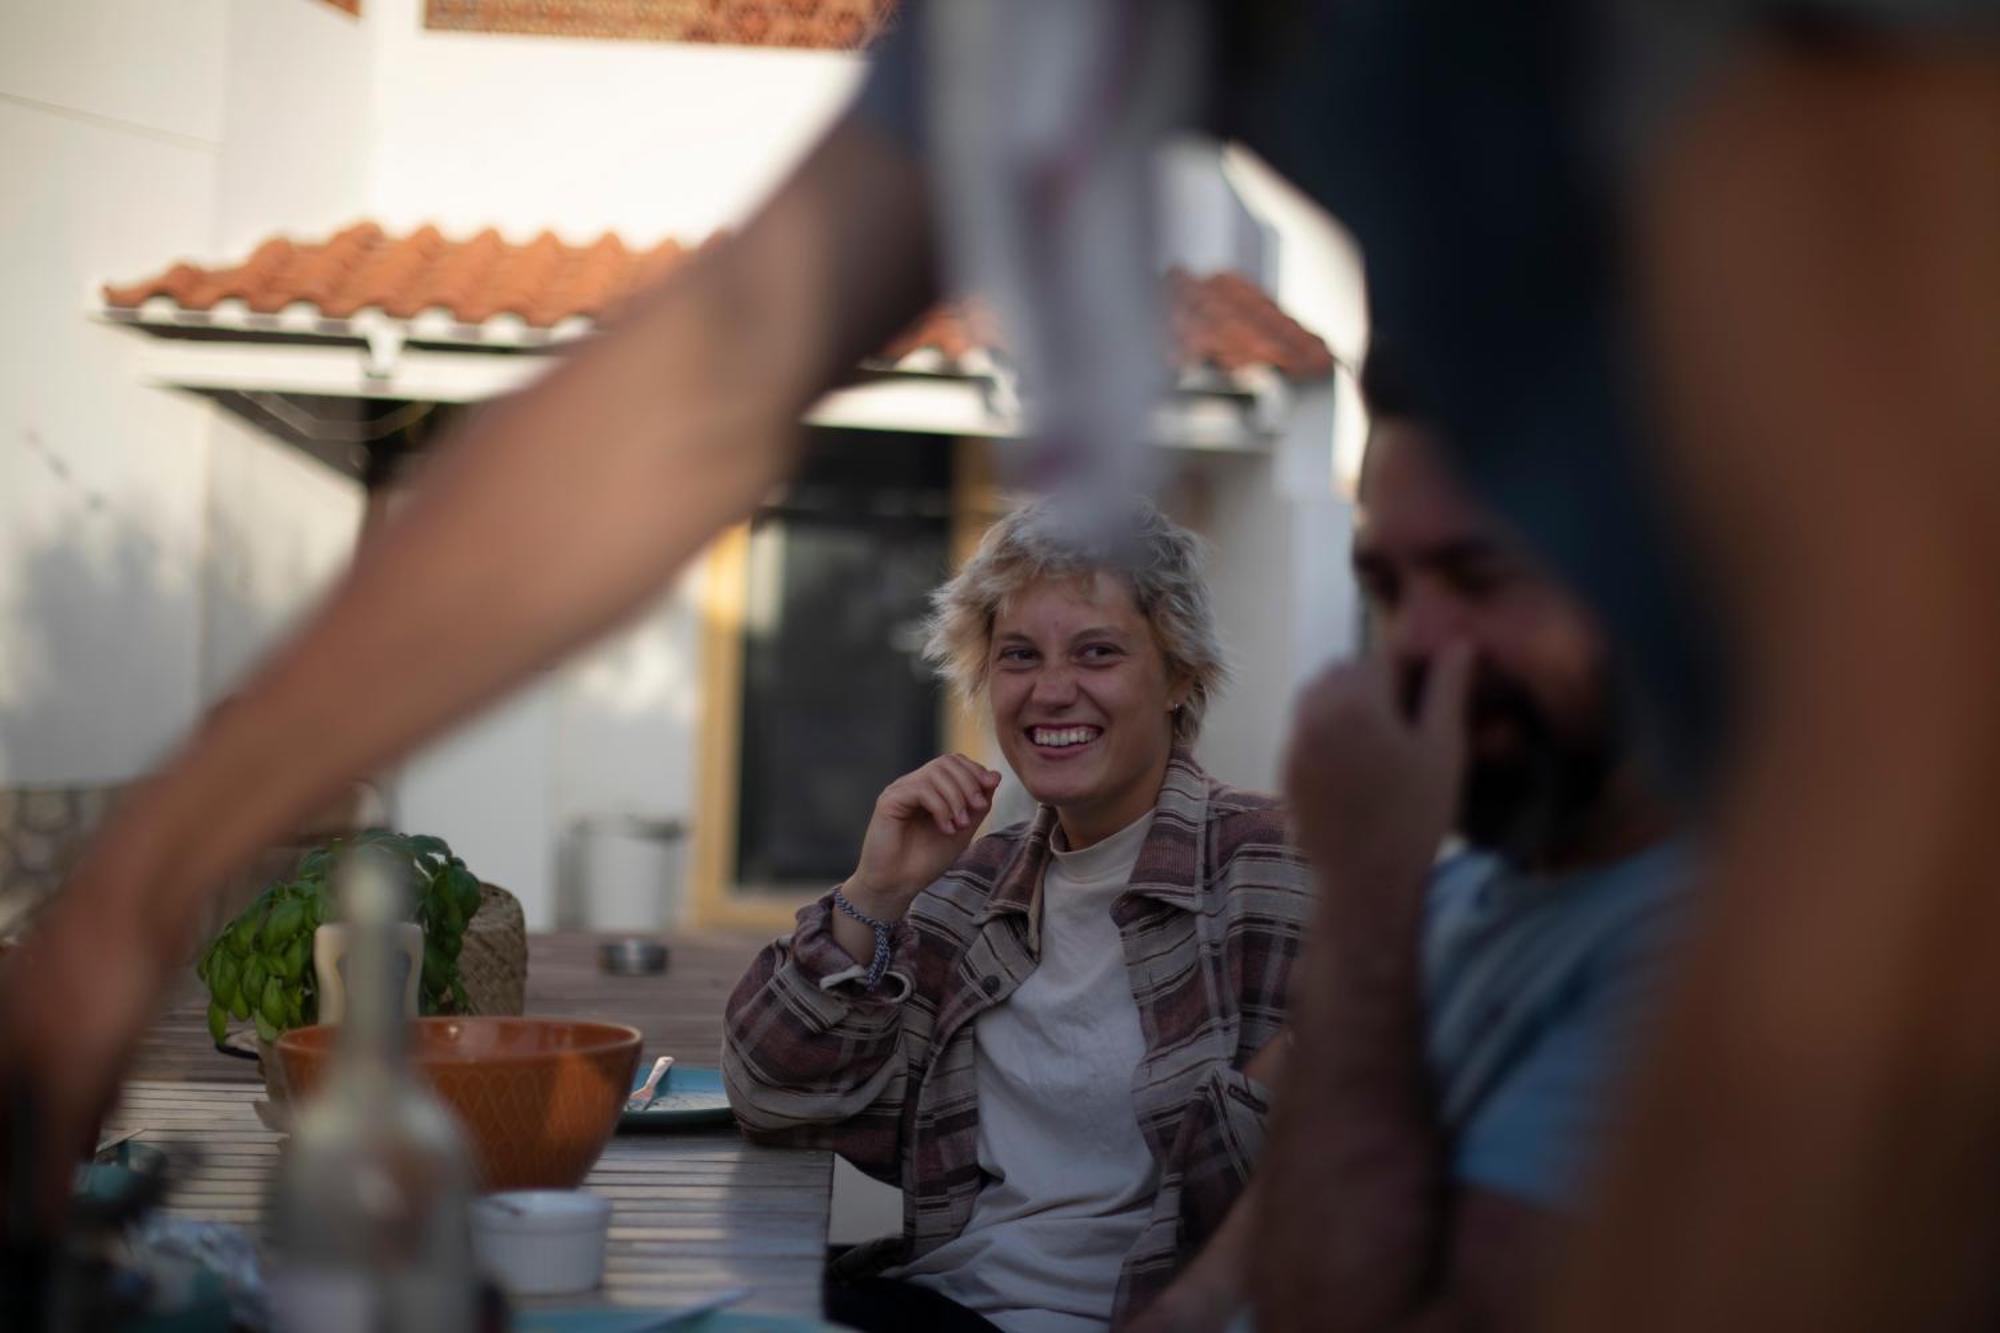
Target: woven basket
(493,962)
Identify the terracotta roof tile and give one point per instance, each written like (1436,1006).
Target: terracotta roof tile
(1227,321)
(952,330)
(391,278)
(596,277)
(325,272)
(1222,321)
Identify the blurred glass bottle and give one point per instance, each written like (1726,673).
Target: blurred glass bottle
(369,1211)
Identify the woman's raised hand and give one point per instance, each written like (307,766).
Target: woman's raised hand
(923,821)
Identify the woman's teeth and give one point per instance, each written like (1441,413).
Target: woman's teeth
(1058,737)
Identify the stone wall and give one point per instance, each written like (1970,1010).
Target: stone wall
(42,832)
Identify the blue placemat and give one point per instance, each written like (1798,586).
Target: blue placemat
(119,1171)
(690,1096)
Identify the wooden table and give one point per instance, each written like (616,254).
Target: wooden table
(694,1212)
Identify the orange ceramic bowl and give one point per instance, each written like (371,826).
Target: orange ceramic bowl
(538,1097)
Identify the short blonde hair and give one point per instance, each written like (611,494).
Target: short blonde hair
(1159,561)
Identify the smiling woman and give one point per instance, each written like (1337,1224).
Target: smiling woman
(960,1017)
(1159,564)
(1096,658)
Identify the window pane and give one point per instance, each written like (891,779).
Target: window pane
(837,700)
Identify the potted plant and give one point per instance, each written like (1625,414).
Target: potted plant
(259,967)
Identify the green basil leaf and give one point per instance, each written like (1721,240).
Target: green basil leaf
(464,886)
(265,1030)
(218,1022)
(285,923)
(274,1008)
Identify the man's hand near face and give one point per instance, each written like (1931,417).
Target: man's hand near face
(1356,1226)
(1373,792)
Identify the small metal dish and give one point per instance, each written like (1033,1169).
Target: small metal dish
(632,957)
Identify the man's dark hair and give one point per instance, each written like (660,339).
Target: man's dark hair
(1383,386)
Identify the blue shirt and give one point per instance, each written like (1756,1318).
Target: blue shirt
(1533,984)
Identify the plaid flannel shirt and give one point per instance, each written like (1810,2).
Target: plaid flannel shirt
(885,1076)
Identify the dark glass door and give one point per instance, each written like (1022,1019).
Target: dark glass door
(837,700)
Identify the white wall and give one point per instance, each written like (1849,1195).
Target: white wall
(281,527)
(1284,599)
(485,790)
(140,67)
(297,110)
(651,139)
(1205,225)
(610,734)
(298,121)
(627,728)
(1318,279)
(110,124)
(1281,525)
(137,133)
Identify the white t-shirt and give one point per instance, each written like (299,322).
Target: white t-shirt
(1070,1179)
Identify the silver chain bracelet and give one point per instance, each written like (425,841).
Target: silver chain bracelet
(879,964)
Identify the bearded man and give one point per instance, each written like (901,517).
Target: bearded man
(1461,1022)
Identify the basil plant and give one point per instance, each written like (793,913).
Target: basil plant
(259,967)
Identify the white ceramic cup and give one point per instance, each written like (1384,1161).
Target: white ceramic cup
(541,1242)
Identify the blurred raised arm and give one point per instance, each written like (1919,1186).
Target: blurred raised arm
(553,515)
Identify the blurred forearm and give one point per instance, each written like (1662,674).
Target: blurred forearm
(1350,1184)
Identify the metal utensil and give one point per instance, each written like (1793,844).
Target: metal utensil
(647,1091)
(720,1301)
(110,1142)
(632,957)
